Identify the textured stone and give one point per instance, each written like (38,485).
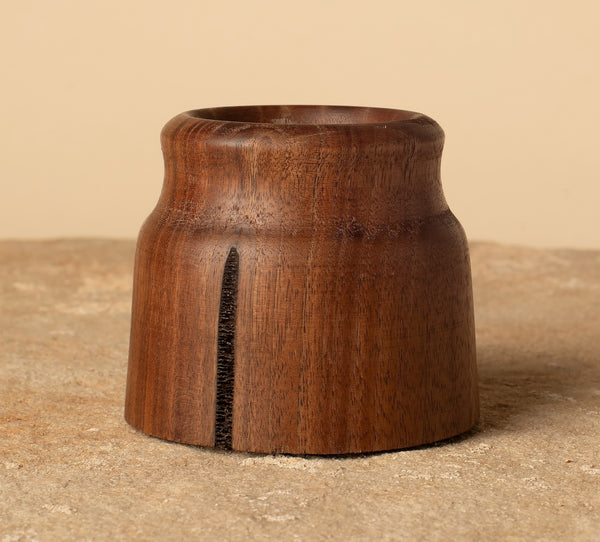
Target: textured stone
(71,468)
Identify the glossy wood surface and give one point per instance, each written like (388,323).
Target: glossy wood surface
(344,316)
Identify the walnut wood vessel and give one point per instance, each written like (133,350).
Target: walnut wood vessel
(302,286)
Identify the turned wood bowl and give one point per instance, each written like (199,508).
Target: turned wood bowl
(302,286)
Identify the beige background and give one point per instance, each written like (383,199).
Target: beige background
(87,86)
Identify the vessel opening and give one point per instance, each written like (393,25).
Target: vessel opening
(305,114)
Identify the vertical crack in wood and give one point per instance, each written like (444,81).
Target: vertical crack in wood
(226,351)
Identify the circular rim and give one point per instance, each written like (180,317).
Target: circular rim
(330,116)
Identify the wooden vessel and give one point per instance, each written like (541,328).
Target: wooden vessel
(302,286)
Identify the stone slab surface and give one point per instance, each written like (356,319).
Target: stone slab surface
(72,469)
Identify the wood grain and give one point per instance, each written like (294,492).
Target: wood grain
(353,325)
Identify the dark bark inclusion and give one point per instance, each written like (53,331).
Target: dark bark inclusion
(226,351)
